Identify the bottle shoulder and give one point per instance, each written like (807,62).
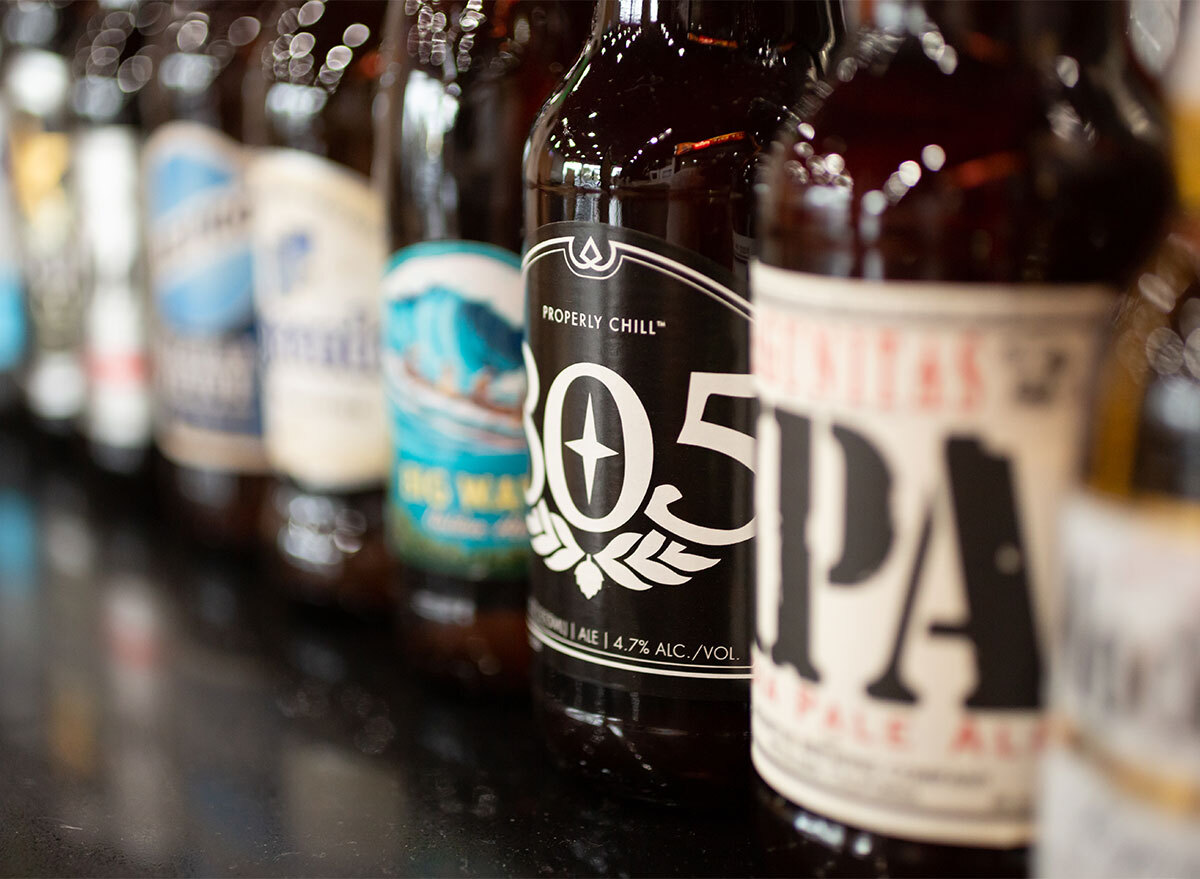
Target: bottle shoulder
(642,114)
(969,170)
(1146,422)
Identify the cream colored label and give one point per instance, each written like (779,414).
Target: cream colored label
(913,443)
(1121,783)
(319,253)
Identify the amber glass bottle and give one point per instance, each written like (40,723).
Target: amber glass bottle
(1121,773)
(942,227)
(318,258)
(639,408)
(464,84)
(207,419)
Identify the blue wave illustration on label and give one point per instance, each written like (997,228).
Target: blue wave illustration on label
(13,326)
(203,279)
(455,384)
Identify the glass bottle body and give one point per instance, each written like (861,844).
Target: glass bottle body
(39,127)
(1130,552)
(890,201)
(318,230)
(109,70)
(465,85)
(642,150)
(207,418)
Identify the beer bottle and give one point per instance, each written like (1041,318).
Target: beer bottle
(464,84)
(14,326)
(207,421)
(942,225)
(318,246)
(639,409)
(37,91)
(108,74)
(14,329)
(1121,772)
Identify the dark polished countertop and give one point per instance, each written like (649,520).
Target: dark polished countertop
(162,712)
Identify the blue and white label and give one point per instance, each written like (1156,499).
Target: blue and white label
(455,384)
(202,280)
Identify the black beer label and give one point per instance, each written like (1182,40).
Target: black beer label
(914,442)
(639,417)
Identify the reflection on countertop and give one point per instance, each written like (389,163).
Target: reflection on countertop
(163,712)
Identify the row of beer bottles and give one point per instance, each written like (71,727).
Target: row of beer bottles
(957,188)
(941,228)
(200,253)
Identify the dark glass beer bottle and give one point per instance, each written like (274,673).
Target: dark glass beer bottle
(639,409)
(942,227)
(37,92)
(318,259)
(1123,756)
(106,152)
(207,420)
(464,84)
(14,324)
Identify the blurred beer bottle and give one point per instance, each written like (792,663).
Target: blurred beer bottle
(319,252)
(639,412)
(1121,774)
(464,83)
(14,325)
(37,90)
(942,228)
(207,419)
(108,74)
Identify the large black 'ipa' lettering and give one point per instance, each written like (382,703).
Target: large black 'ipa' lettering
(991,551)
(867,528)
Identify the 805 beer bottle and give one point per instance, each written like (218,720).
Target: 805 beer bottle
(942,228)
(639,409)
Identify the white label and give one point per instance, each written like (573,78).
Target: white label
(1121,782)
(914,440)
(106,168)
(319,254)
(119,406)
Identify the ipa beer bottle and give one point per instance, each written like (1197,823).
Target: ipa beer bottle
(1121,772)
(318,259)
(207,419)
(942,226)
(465,83)
(639,408)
